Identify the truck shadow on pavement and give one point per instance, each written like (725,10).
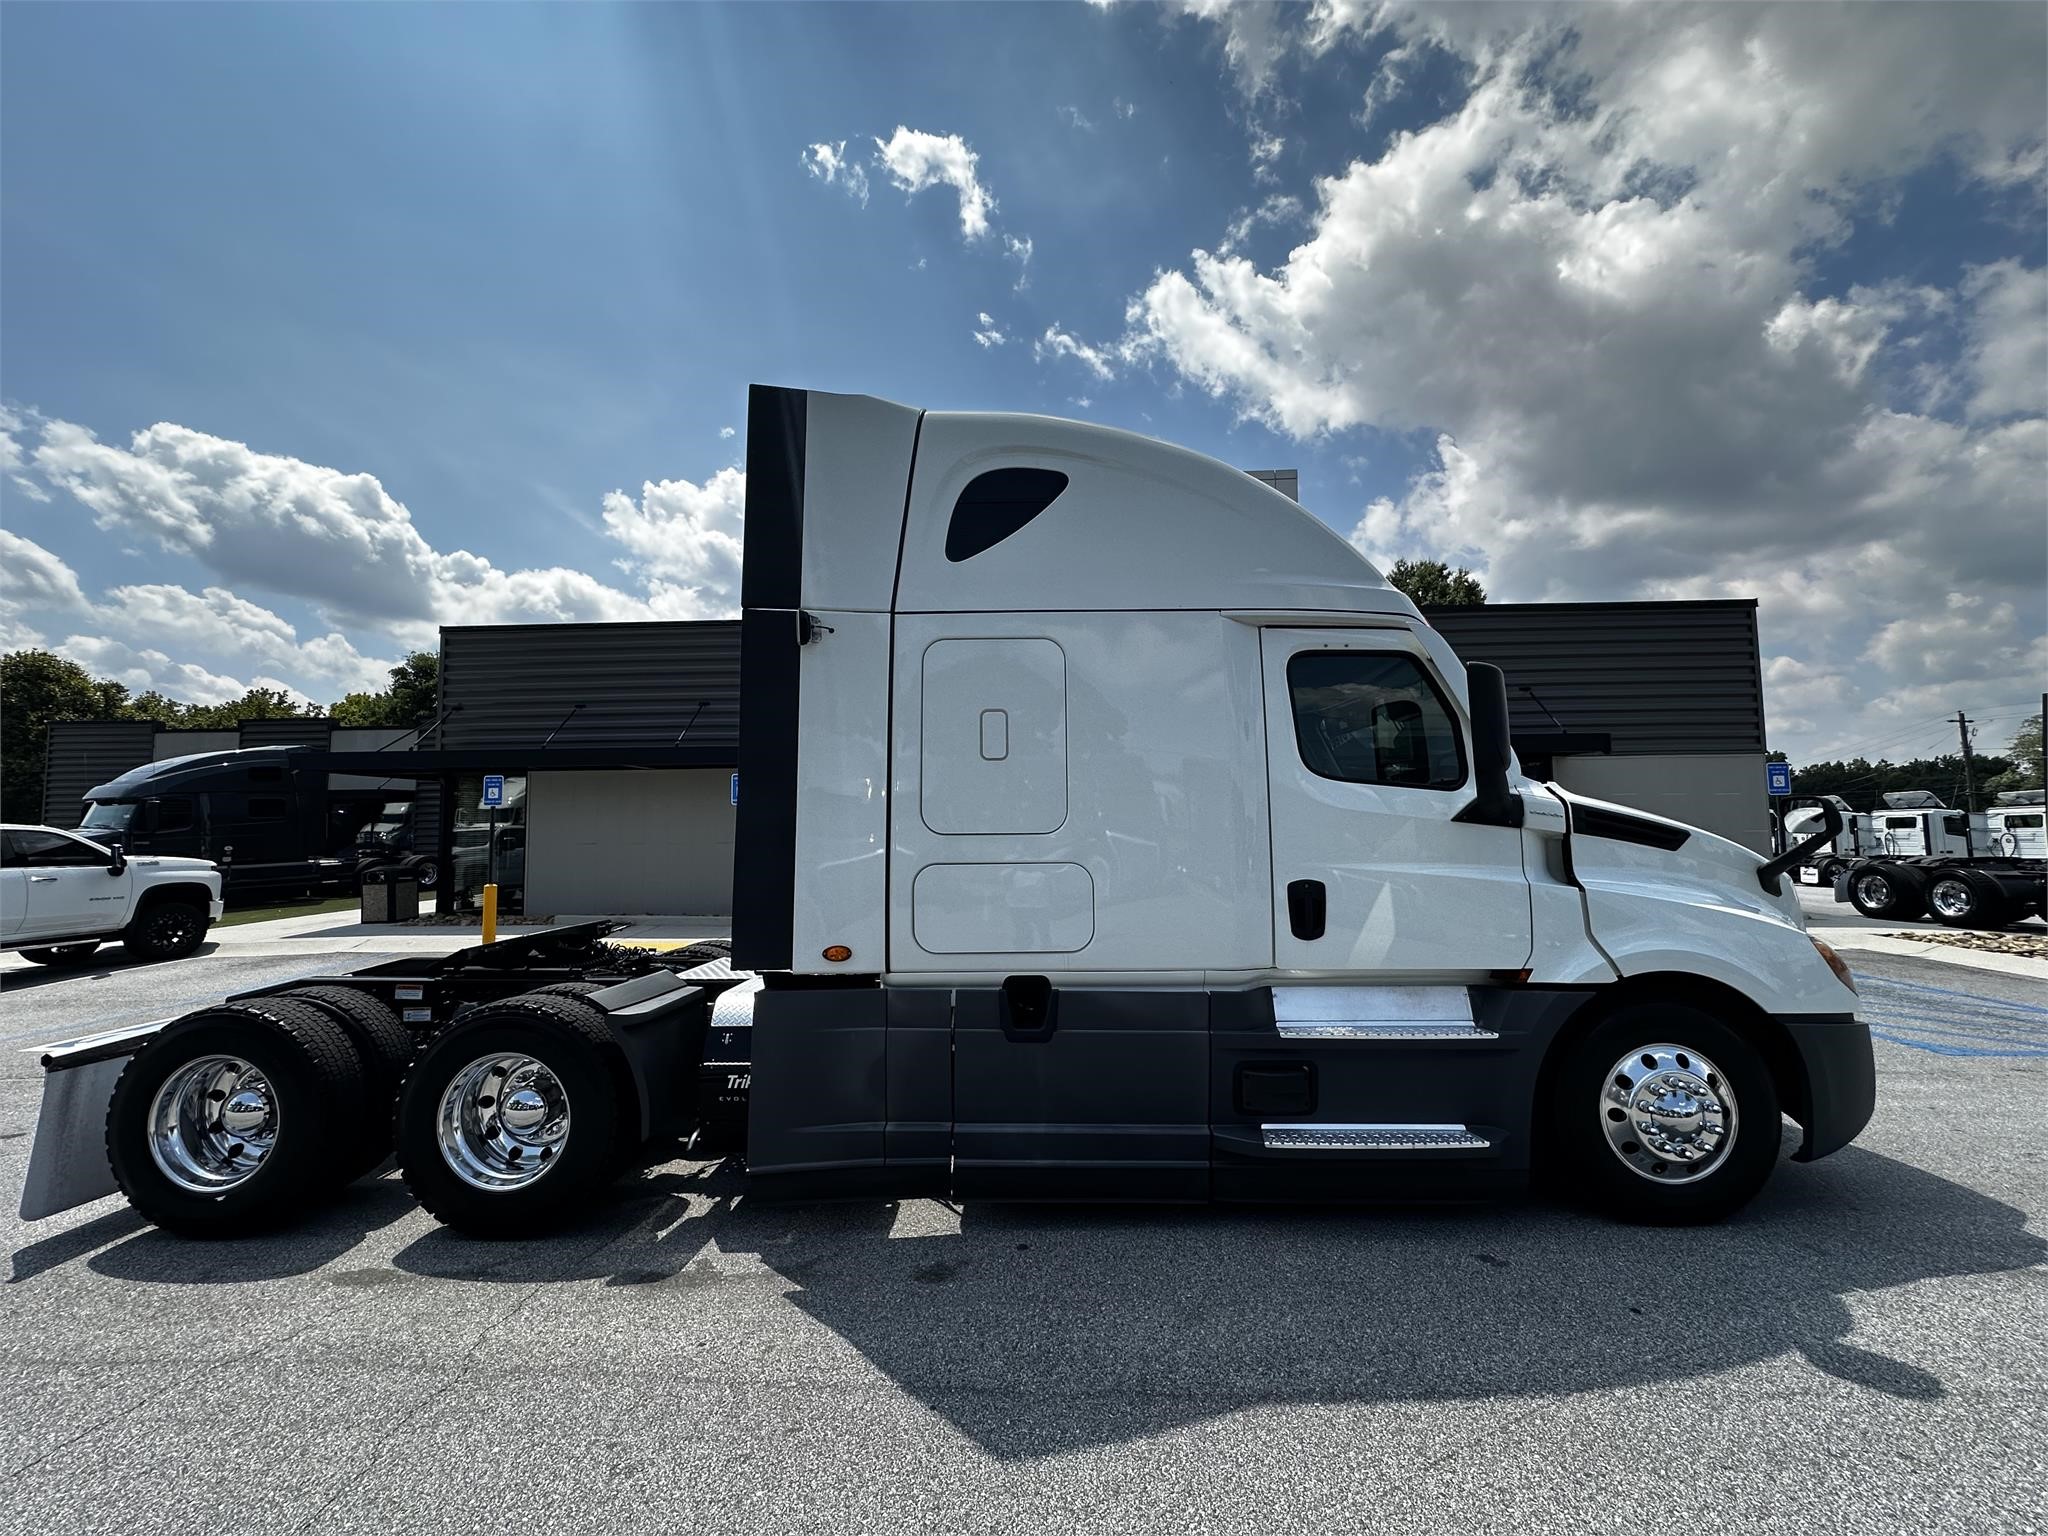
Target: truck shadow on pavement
(98,968)
(1037,1330)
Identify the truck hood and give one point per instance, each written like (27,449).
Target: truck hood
(1720,869)
(173,862)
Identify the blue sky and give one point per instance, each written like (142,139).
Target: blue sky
(508,260)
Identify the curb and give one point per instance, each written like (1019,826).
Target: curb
(1850,940)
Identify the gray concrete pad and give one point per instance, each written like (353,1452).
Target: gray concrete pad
(1856,1352)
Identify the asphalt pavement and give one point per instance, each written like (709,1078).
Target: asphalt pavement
(1858,1351)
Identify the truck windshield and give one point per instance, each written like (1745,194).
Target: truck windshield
(109,815)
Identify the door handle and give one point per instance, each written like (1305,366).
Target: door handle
(42,879)
(1307,908)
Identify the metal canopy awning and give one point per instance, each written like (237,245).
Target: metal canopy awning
(442,762)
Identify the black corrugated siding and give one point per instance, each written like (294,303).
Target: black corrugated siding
(1656,677)
(639,685)
(86,753)
(287,733)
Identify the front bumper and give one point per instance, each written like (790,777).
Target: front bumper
(1839,1076)
(214,908)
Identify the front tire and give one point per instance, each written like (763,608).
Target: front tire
(166,930)
(236,1118)
(61,954)
(1663,1114)
(513,1120)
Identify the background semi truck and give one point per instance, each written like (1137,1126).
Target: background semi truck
(270,817)
(1914,858)
(1108,828)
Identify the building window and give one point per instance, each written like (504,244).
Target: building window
(487,846)
(1373,718)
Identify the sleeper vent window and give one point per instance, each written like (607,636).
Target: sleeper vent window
(996,505)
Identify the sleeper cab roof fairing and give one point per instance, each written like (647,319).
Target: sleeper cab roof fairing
(1137,525)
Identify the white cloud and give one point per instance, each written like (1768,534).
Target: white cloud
(917,160)
(1591,283)
(728,432)
(1058,343)
(990,334)
(1124,109)
(2007,363)
(263,523)
(1074,117)
(829,164)
(1018,248)
(684,539)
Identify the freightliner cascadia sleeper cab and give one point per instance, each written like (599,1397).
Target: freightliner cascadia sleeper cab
(1108,828)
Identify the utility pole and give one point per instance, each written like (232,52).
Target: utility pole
(1969,763)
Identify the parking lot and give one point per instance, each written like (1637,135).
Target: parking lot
(1858,1351)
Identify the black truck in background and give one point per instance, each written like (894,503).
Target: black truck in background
(273,822)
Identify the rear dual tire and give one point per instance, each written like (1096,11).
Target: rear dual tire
(1969,898)
(237,1118)
(514,1119)
(1888,892)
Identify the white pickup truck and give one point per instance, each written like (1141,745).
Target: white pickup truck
(62,896)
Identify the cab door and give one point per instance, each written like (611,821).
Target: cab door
(71,886)
(1368,766)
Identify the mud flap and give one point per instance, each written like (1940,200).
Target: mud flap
(67,1164)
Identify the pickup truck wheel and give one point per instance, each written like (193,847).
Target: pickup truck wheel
(426,871)
(169,929)
(1968,898)
(513,1120)
(1663,1114)
(233,1118)
(1887,892)
(61,954)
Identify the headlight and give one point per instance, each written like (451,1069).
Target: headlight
(1835,963)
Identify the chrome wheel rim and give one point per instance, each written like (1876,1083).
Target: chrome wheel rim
(503,1122)
(213,1124)
(1668,1113)
(1875,890)
(1951,898)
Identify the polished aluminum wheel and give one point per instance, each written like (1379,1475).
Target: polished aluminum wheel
(1875,890)
(1951,898)
(503,1122)
(1668,1113)
(212,1124)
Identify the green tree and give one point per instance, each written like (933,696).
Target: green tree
(2025,752)
(36,689)
(409,701)
(1861,782)
(256,704)
(1433,584)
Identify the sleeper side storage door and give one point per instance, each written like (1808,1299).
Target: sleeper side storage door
(1369,764)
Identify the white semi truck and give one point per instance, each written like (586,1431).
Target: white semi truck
(1108,828)
(1913,857)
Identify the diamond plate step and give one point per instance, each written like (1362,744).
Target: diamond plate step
(1356,1030)
(1373,1138)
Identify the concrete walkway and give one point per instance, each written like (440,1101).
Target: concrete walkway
(1851,940)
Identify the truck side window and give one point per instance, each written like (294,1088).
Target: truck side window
(52,850)
(1373,718)
(266,808)
(173,815)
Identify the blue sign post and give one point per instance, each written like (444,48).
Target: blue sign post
(1778,778)
(494,791)
(735,789)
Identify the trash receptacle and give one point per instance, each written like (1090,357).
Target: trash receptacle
(390,894)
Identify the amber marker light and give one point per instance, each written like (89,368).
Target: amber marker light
(1835,963)
(837,952)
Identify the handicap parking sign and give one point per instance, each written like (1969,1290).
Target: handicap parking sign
(494,791)
(1778,778)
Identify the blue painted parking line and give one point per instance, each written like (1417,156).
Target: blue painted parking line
(1924,1018)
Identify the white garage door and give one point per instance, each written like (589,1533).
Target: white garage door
(626,842)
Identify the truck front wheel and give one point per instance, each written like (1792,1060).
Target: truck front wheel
(235,1118)
(513,1120)
(1663,1114)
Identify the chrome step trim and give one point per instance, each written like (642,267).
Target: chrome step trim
(1373,1138)
(1387,1031)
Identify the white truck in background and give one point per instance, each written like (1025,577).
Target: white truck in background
(63,895)
(1108,828)
(1915,858)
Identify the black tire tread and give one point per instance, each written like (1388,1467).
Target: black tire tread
(130,934)
(586,1024)
(330,1059)
(385,1048)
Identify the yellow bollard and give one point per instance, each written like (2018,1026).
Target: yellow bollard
(490,914)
